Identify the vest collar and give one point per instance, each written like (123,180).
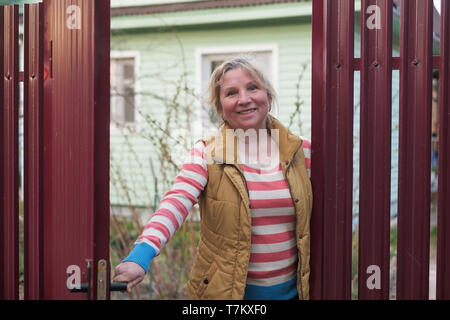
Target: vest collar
(289,142)
(220,153)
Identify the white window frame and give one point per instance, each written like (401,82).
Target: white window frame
(201,55)
(135,126)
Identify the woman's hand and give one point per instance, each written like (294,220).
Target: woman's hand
(129,272)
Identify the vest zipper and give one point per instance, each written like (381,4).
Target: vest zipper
(245,183)
(299,250)
(250,207)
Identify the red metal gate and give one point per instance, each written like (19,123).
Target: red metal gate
(332,139)
(66,145)
(66,116)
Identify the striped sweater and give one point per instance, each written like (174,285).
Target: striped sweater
(273,259)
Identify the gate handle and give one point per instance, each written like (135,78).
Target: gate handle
(118,286)
(115,286)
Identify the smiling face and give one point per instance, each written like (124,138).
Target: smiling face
(245,103)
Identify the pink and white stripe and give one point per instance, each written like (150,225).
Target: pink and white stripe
(273,258)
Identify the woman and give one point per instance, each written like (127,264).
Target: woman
(254,216)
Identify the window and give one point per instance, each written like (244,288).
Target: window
(210,59)
(123,97)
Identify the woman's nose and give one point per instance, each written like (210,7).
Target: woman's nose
(243,99)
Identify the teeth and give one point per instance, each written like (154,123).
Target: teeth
(248,111)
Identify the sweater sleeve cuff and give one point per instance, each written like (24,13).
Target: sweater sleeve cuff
(141,254)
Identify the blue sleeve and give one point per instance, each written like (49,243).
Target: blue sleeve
(141,254)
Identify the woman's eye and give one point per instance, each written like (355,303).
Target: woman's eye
(230,93)
(253,87)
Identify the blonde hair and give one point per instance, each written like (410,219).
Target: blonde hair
(246,63)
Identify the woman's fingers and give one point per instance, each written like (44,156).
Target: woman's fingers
(133,283)
(120,274)
(122,278)
(129,272)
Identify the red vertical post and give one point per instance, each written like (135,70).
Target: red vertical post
(332,137)
(9,150)
(415,150)
(375,152)
(101,58)
(33,126)
(2,153)
(443,242)
(317,140)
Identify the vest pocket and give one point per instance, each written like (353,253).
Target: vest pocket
(202,274)
(207,279)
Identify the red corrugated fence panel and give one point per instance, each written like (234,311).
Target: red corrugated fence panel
(375,152)
(9,152)
(33,150)
(414,150)
(332,137)
(443,243)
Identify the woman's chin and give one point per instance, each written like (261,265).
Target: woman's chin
(250,124)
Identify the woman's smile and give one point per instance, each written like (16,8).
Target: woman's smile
(248,111)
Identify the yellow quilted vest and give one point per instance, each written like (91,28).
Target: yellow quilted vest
(221,263)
